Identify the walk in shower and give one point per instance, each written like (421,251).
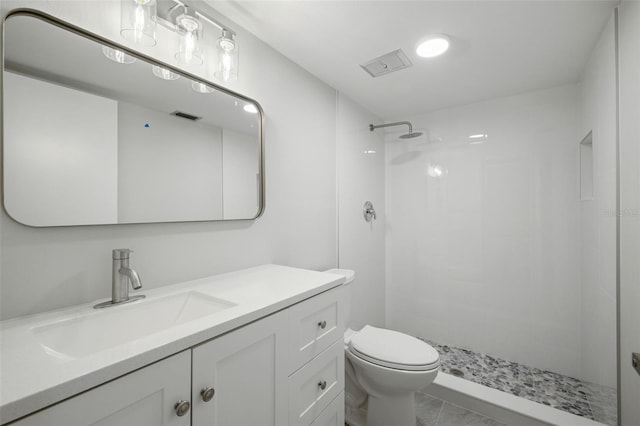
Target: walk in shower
(495,258)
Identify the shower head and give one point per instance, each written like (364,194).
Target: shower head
(409,135)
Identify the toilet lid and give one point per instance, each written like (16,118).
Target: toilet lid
(393,349)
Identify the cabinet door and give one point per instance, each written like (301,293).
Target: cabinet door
(246,368)
(146,397)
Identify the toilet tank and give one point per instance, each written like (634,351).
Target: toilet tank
(349,279)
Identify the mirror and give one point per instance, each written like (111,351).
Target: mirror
(88,140)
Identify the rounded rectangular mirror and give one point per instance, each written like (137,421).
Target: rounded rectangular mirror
(94,133)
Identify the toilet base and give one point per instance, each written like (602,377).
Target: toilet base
(397,410)
(355,417)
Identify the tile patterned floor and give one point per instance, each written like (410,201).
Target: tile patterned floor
(432,411)
(545,387)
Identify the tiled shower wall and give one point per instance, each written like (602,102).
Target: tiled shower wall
(483,243)
(597,216)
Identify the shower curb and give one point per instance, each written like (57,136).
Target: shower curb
(501,406)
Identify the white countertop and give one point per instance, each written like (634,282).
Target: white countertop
(33,377)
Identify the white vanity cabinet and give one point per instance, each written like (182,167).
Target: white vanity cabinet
(146,397)
(316,351)
(239,379)
(284,369)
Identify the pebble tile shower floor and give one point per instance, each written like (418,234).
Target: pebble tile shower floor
(565,393)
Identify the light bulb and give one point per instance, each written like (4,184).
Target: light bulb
(226,66)
(189,51)
(227,57)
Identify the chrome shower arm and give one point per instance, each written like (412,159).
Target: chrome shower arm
(398,123)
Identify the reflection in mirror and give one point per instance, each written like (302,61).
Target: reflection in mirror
(95,134)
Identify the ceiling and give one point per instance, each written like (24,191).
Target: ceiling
(499,48)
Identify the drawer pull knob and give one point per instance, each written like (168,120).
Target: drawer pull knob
(207,394)
(322,384)
(322,324)
(182,407)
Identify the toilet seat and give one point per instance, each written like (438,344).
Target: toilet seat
(393,349)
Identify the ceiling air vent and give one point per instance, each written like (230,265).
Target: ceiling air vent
(185,115)
(393,61)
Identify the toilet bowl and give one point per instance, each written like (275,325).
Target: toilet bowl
(383,369)
(389,367)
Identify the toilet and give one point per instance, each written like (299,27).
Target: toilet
(383,369)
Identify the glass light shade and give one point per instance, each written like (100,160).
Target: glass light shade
(201,87)
(138,21)
(189,51)
(164,73)
(227,49)
(117,55)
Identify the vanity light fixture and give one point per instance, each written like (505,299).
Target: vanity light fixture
(191,29)
(138,21)
(117,55)
(164,73)
(138,25)
(227,49)
(433,45)
(189,36)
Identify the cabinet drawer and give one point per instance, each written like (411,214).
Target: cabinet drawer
(315,325)
(307,398)
(333,415)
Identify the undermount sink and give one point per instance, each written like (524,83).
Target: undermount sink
(98,330)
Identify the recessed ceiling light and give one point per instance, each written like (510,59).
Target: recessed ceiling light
(433,46)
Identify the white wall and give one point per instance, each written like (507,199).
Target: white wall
(43,269)
(169,171)
(597,217)
(483,243)
(42,188)
(360,155)
(629,104)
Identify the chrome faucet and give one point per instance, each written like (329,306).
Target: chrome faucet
(121,276)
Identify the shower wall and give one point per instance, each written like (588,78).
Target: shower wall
(597,216)
(483,232)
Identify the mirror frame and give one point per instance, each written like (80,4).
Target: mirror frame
(49,19)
